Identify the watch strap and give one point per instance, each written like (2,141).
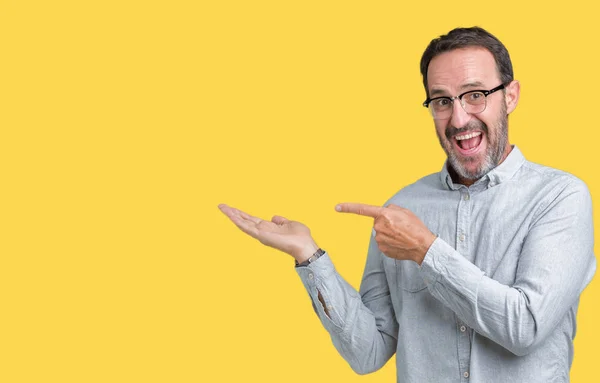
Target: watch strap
(312,258)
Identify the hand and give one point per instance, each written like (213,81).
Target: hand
(399,233)
(291,237)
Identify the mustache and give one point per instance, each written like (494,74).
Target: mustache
(471,126)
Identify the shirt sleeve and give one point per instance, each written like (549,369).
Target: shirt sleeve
(555,265)
(362,325)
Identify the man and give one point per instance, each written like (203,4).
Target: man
(473,273)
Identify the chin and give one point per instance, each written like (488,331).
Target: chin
(470,168)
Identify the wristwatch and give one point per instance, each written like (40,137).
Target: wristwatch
(313,258)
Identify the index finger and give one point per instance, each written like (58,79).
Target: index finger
(360,209)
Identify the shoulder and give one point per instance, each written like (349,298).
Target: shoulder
(555,188)
(546,177)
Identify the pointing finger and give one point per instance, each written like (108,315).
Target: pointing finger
(394,207)
(360,209)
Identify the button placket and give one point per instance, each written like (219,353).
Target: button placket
(463,223)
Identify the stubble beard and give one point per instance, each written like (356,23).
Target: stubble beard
(496,146)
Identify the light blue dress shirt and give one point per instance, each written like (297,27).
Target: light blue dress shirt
(496,297)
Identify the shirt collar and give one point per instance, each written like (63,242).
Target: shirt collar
(503,172)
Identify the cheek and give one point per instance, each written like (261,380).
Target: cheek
(440,127)
(492,115)
(491,121)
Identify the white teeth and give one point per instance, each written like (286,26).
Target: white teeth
(467,136)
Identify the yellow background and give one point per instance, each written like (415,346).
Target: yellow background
(124,123)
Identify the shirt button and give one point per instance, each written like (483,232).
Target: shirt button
(462,237)
(463,329)
(310,276)
(466,197)
(466,374)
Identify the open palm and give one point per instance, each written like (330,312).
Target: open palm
(291,237)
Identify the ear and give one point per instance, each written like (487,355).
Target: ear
(513,91)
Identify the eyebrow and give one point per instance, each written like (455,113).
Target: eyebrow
(437,91)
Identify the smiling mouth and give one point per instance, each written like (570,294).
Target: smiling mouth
(468,143)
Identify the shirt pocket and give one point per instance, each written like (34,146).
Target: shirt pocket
(409,277)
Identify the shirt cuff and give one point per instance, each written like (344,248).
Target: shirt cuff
(444,269)
(322,266)
(436,258)
(314,277)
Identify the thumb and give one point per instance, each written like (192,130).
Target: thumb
(279,220)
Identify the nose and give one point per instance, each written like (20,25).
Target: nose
(459,118)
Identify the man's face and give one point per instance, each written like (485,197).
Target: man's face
(474,143)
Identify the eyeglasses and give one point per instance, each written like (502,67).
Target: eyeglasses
(473,102)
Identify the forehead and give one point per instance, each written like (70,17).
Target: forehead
(454,70)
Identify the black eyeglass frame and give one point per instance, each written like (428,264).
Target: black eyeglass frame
(460,96)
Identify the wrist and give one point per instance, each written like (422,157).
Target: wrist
(306,252)
(313,258)
(427,242)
